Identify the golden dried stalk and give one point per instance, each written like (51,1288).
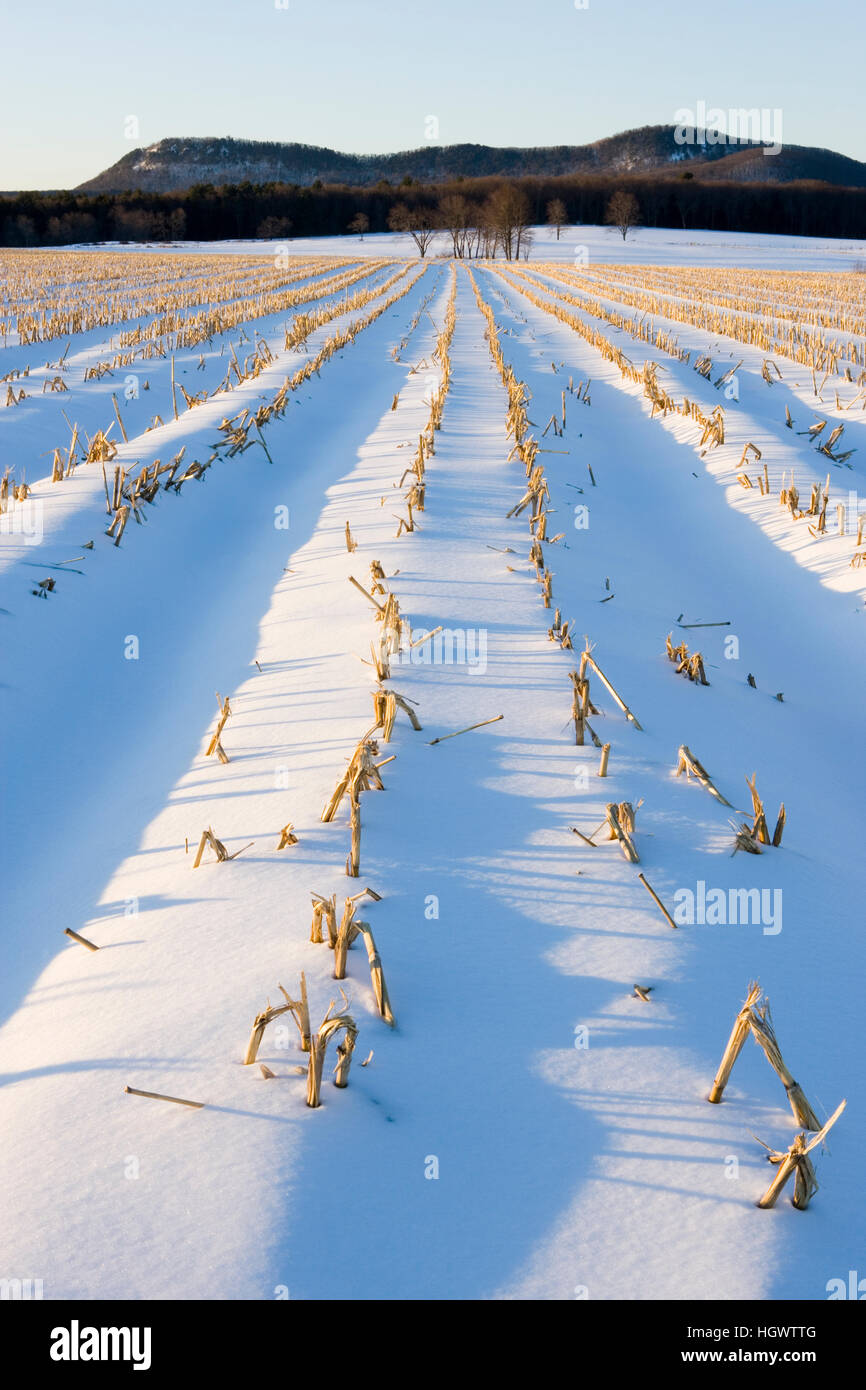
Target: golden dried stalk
(225,712)
(468,730)
(353,861)
(324,909)
(739,1033)
(299,1010)
(287,837)
(381,661)
(219,849)
(346,934)
(377,976)
(617,697)
(788,1163)
(759,829)
(654,895)
(361,774)
(385,705)
(744,839)
(620,820)
(362,590)
(764,1034)
(687,664)
(155,1095)
(689,764)
(82,940)
(318,1048)
(798,1162)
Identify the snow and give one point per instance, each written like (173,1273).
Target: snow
(564,1171)
(643,246)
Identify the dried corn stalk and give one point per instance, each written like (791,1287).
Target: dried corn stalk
(755,1017)
(620,820)
(324,909)
(385,706)
(299,1010)
(225,712)
(611,690)
(353,859)
(739,1033)
(330,1026)
(764,1034)
(687,664)
(796,1160)
(689,764)
(361,774)
(219,849)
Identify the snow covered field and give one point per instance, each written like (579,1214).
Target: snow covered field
(643,246)
(531,1128)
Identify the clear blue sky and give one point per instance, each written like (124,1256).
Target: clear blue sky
(363,75)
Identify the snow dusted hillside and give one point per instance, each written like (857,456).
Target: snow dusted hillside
(531,1128)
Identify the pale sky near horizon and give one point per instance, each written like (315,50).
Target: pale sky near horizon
(365,77)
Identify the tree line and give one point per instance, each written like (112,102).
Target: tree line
(478,215)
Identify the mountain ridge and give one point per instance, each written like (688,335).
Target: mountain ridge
(174,164)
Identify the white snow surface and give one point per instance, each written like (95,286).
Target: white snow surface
(642,246)
(564,1171)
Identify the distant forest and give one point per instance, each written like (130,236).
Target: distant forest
(282,211)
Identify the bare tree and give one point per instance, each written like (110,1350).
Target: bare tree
(272,227)
(360,223)
(508,215)
(623,211)
(557,215)
(455,215)
(418,222)
(483,235)
(491,235)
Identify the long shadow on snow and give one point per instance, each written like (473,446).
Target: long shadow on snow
(195,604)
(467,973)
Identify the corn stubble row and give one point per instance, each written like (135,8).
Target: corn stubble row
(52,294)
(691,299)
(663,403)
(173,331)
(239,432)
(822,299)
(363,774)
(620,817)
(828,442)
